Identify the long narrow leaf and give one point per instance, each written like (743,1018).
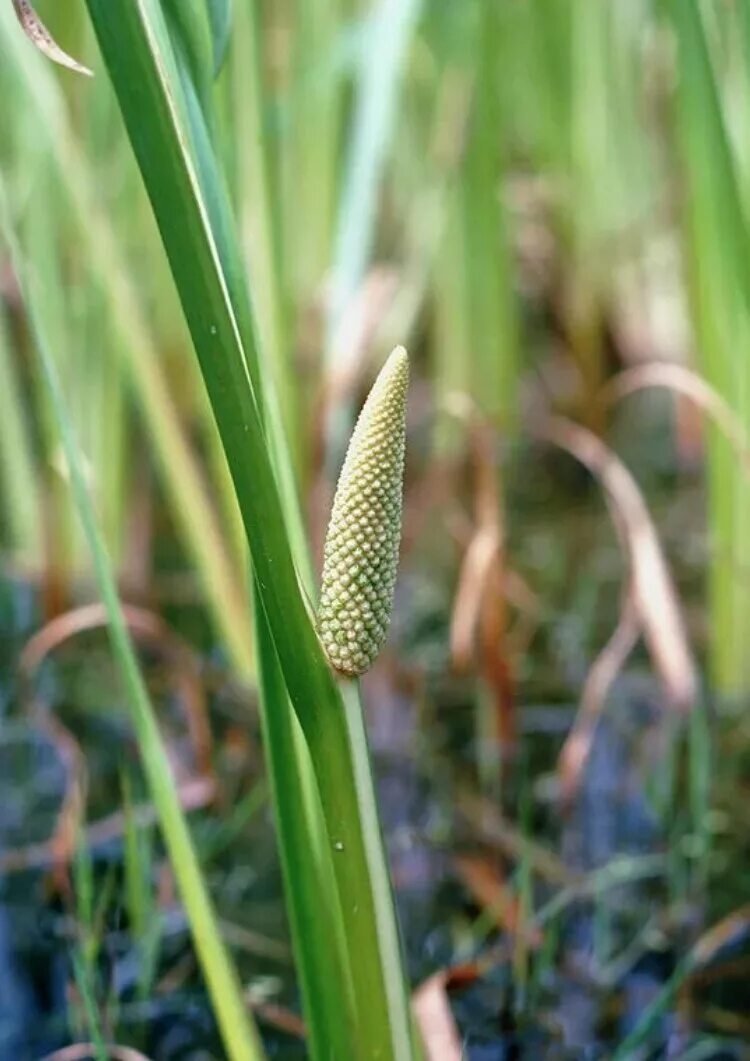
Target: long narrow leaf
(718,266)
(132,36)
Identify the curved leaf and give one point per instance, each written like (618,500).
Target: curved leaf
(42,39)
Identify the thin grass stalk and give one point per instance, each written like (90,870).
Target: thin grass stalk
(312,127)
(110,445)
(83,975)
(132,38)
(548,47)
(393,22)
(110,410)
(717,242)
(137,867)
(258,205)
(452,333)
(488,262)
(371,130)
(737,93)
(62,545)
(18,472)
(587,196)
(238,1032)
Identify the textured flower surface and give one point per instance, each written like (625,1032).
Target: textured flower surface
(361,550)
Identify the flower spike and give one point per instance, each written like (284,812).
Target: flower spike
(362,543)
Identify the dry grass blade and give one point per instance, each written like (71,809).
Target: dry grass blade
(432,1011)
(62,843)
(58,849)
(473,578)
(653,593)
(42,39)
(483,550)
(492,827)
(278,1017)
(685,382)
(252,942)
(492,892)
(86,1051)
(575,751)
(144,626)
(479,620)
(359,325)
(194,794)
(724,932)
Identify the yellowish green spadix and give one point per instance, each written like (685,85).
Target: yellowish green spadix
(362,544)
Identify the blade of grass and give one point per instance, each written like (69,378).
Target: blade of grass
(718,267)
(191,22)
(83,982)
(220,18)
(310,148)
(258,202)
(18,473)
(240,1038)
(382,58)
(488,264)
(44,244)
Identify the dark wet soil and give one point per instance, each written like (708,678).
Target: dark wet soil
(611,894)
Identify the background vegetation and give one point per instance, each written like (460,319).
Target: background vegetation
(547,202)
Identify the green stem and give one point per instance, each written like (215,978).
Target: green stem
(317,931)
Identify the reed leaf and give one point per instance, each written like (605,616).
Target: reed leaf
(18,479)
(717,243)
(381,62)
(189,203)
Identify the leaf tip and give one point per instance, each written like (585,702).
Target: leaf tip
(42,39)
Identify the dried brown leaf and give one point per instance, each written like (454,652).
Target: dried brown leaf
(606,667)
(146,627)
(194,794)
(42,39)
(472,581)
(653,593)
(435,1020)
(689,384)
(714,939)
(489,823)
(479,620)
(493,894)
(88,1052)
